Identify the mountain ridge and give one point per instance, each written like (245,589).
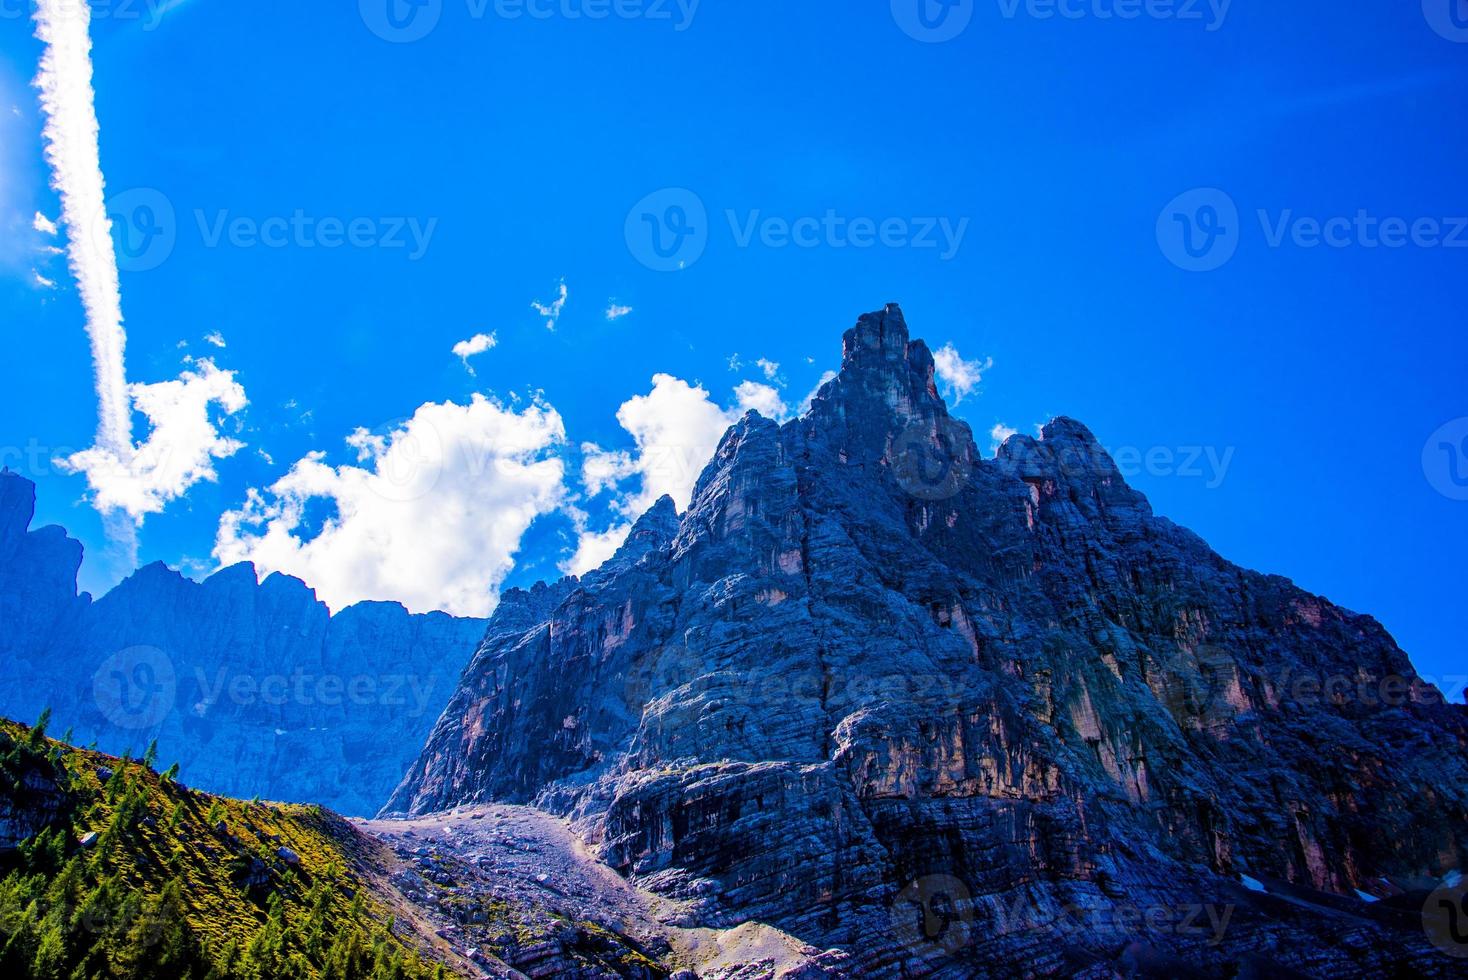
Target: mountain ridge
(871,668)
(250,682)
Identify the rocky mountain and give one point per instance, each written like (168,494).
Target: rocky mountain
(947,715)
(254,687)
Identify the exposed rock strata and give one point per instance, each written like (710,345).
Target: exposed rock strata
(954,714)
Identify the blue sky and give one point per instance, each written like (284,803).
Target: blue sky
(1292,398)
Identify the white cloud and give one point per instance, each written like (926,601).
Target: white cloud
(616,311)
(552,310)
(44,225)
(432,517)
(593,548)
(474,346)
(676,427)
(735,364)
(1000,434)
(761,398)
(811,395)
(70,134)
(42,281)
(215,338)
(959,377)
(770,368)
(184,440)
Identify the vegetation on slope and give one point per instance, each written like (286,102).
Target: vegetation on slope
(113,870)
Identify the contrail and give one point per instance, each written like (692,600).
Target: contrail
(65,84)
(67,99)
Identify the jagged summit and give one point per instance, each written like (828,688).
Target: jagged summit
(870,668)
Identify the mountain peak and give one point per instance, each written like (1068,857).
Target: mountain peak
(887,384)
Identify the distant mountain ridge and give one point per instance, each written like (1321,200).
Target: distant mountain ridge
(956,715)
(254,687)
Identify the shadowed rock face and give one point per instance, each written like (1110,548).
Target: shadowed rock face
(253,687)
(952,713)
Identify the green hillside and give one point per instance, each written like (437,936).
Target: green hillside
(112,869)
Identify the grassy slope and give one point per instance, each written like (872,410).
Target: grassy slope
(179,883)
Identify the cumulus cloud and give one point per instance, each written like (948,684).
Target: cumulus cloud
(215,339)
(474,346)
(431,516)
(770,368)
(552,310)
(1000,434)
(594,548)
(762,398)
(676,428)
(44,225)
(184,440)
(42,281)
(958,377)
(616,311)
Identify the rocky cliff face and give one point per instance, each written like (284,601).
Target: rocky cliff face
(252,686)
(952,714)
